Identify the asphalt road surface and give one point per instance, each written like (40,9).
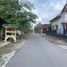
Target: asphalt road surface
(39,52)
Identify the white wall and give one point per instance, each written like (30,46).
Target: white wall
(63,17)
(60,26)
(60,29)
(66,17)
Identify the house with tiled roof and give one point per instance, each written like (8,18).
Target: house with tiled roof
(44,28)
(59,23)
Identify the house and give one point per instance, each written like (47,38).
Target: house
(59,23)
(41,28)
(44,28)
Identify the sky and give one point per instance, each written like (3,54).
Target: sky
(47,9)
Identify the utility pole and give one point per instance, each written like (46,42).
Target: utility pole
(41,30)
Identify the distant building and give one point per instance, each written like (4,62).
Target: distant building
(41,28)
(59,23)
(44,28)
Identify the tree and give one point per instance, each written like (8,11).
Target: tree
(8,8)
(17,13)
(38,28)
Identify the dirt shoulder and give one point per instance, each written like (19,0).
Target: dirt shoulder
(55,40)
(9,50)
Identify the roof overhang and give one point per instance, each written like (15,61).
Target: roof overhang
(57,17)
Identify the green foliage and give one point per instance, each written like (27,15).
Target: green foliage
(37,27)
(5,49)
(12,20)
(17,13)
(27,5)
(9,8)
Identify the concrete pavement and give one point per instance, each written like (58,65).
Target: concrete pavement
(38,52)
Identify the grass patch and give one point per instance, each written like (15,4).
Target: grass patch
(5,49)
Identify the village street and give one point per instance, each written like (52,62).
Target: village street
(38,52)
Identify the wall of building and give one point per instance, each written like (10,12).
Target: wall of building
(63,18)
(60,23)
(60,29)
(55,23)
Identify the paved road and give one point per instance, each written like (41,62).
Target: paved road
(38,52)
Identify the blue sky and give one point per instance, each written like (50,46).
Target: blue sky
(47,9)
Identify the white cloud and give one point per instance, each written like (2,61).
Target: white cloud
(32,1)
(58,7)
(47,9)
